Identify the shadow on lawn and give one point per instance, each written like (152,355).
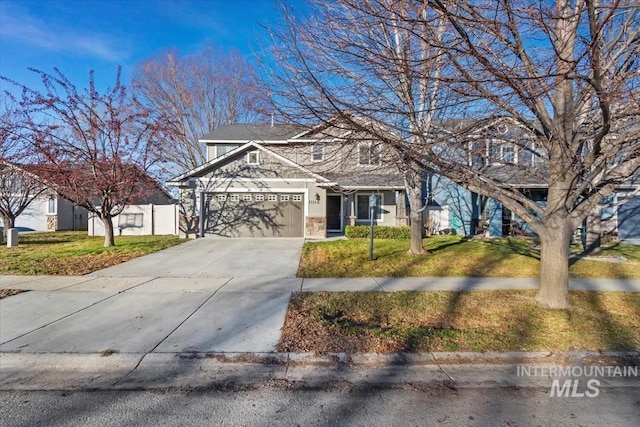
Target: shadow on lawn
(517,246)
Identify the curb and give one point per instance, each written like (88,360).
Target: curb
(241,371)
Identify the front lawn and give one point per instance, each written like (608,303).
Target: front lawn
(390,322)
(74,253)
(452,256)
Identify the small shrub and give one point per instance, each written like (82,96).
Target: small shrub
(379,232)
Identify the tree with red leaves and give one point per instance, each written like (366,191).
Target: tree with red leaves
(18,186)
(95,149)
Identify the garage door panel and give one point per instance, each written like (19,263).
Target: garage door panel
(254,215)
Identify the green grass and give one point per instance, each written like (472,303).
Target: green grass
(75,253)
(389,322)
(451,256)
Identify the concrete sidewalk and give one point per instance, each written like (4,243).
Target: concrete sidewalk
(115,326)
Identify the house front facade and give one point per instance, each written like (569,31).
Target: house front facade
(287,181)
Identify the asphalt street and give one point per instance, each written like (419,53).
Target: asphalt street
(340,405)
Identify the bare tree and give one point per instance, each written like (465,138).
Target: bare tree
(95,149)
(567,74)
(367,63)
(201,91)
(18,185)
(549,93)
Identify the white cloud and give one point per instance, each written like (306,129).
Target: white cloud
(18,26)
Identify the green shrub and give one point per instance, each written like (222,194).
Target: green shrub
(379,232)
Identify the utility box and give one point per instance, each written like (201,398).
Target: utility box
(12,237)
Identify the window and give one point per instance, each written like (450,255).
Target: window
(234,197)
(297,197)
(368,154)
(246,197)
(499,152)
(508,154)
(272,198)
(52,206)
(126,220)
(317,153)
(362,207)
(221,150)
(253,158)
(284,198)
(259,197)
(222,197)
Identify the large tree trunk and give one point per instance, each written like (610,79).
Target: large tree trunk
(554,263)
(593,233)
(108,232)
(415,216)
(7,223)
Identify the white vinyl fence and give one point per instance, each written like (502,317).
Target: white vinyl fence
(140,220)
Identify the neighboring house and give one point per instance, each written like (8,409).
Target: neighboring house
(288,181)
(51,212)
(472,214)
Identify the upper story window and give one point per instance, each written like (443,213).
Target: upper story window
(317,153)
(501,152)
(368,154)
(221,150)
(253,157)
(52,206)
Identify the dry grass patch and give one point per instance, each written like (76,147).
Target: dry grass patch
(389,322)
(75,253)
(451,256)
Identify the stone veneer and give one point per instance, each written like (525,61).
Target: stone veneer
(316,226)
(52,222)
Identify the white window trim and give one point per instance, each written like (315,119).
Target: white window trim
(369,210)
(370,146)
(313,153)
(257,153)
(55,206)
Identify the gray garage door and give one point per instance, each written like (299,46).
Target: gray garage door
(629,219)
(254,214)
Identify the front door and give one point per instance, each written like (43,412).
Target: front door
(334,213)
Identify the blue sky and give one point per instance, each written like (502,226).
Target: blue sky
(79,35)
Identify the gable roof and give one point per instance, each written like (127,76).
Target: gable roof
(211,164)
(253,132)
(35,171)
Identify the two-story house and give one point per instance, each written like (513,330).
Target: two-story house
(289,181)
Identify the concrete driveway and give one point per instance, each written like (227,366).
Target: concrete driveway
(211,257)
(206,295)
